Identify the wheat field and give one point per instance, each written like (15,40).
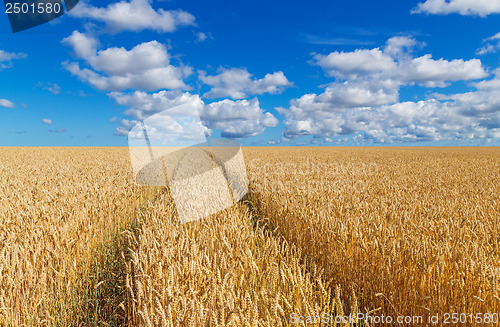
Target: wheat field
(57,208)
(414,231)
(343,231)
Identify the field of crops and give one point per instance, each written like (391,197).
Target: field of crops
(392,231)
(58,206)
(413,231)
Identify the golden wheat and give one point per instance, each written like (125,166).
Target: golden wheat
(56,206)
(415,231)
(393,231)
(221,271)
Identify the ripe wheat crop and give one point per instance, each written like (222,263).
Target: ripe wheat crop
(414,231)
(221,271)
(57,207)
(393,231)
(82,244)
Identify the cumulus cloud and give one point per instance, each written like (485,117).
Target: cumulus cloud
(134,15)
(492,44)
(47,121)
(6,103)
(427,71)
(396,63)
(363,101)
(175,114)
(341,96)
(238,83)
(83,45)
(484,102)
(401,46)
(481,8)
(355,63)
(7,57)
(146,66)
(126,126)
(236,119)
(142,105)
(427,120)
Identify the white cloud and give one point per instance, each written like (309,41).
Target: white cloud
(340,96)
(51,87)
(47,121)
(357,62)
(83,45)
(492,44)
(482,103)
(6,103)
(142,105)
(429,120)
(7,57)
(146,66)
(396,63)
(491,84)
(54,89)
(201,36)
(481,8)
(238,83)
(236,119)
(126,126)
(119,61)
(134,15)
(427,71)
(364,100)
(494,37)
(401,46)
(121,131)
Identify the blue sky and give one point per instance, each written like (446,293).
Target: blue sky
(262,72)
